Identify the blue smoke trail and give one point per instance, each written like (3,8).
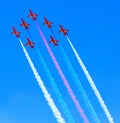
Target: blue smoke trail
(70,91)
(79,86)
(29,33)
(55,88)
(91,82)
(52,32)
(46,94)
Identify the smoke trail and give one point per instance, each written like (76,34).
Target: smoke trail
(47,96)
(55,88)
(52,32)
(78,84)
(92,84)
(80,88)
(29,33)
(63,77)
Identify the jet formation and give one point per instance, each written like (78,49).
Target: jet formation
(46,22)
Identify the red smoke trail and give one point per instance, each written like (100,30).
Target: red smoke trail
(77,104)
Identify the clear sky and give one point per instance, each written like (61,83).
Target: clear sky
(94,29)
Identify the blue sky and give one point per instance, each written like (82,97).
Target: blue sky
(94,31)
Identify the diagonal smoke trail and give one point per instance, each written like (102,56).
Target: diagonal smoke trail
(29,33)
(52,32)
(47,96)
(92,84)
(55,88)
(78,84)
(80,87)
(72,95)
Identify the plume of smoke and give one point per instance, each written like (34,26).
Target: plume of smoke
(80,87)
(47,96)
(72,95)
(78,84)
(92,84)
(55,88)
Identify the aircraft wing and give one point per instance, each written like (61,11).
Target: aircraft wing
(60,30)
(27,44)
(13,32)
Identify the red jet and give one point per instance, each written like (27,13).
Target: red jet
(46,22)
(63,30)
(26,25)
(29,43)
(31,14)
(15,32)
(52,40)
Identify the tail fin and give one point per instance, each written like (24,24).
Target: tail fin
(55,44)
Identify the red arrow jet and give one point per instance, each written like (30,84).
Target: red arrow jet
(46,22)
(33,15)
(63,30)
(52,40)
(29,43)
(26,25)
(15,32)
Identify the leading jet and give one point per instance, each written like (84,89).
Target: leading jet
(33,15)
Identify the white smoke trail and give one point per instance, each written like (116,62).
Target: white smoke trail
(80,87)
(47,96)
(92,84)
(55,88)
(70,91)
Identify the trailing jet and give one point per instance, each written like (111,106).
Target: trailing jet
(46,22)
(31,44)
(33,15)
(26,25)
(15,32)
(52,40)
(63,30)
